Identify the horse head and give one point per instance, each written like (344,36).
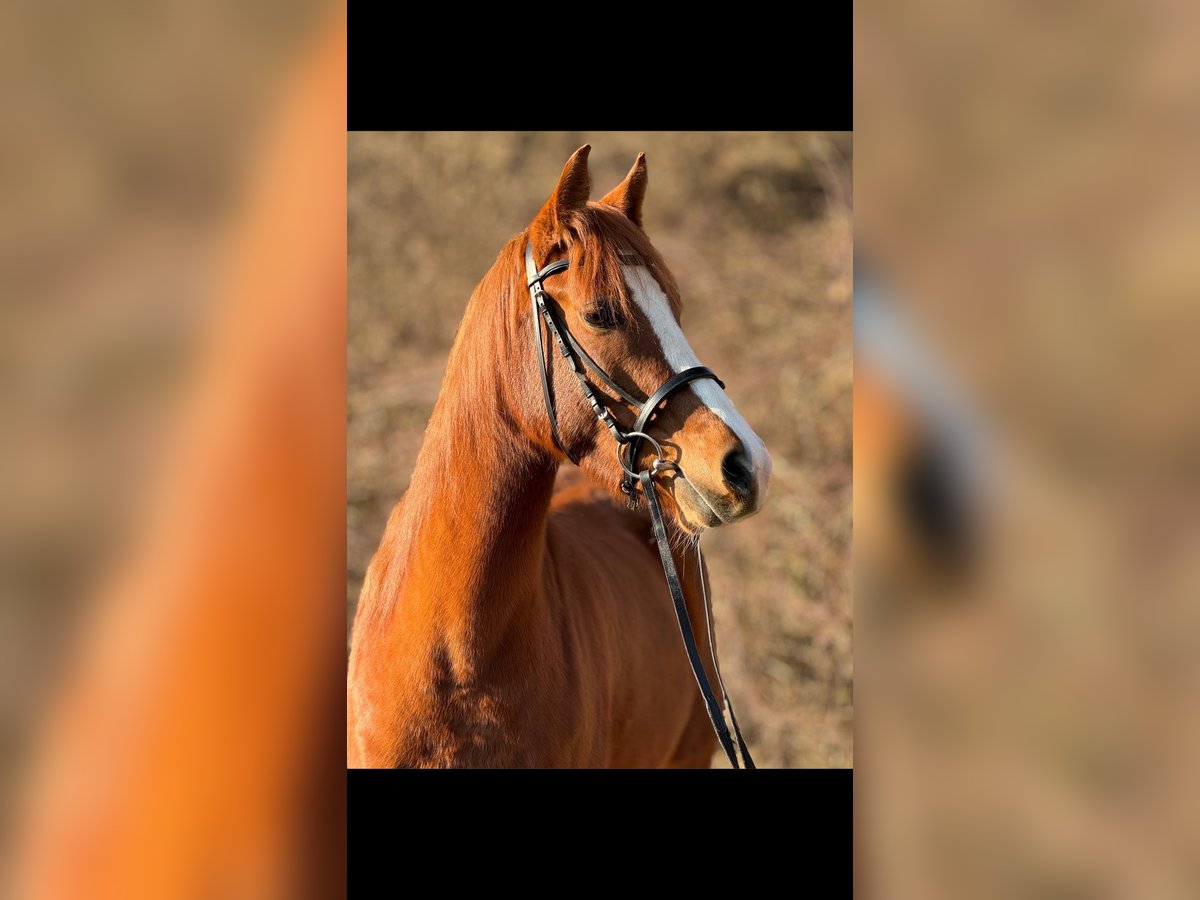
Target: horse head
(619,305)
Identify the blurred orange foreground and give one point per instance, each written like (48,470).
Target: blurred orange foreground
(196,750)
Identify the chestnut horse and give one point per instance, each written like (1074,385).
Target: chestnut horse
(502,623)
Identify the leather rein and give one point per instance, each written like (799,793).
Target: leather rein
(543,307)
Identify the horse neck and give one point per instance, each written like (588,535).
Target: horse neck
(470,535)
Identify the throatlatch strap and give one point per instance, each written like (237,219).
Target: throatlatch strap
(685,623)
(537,299)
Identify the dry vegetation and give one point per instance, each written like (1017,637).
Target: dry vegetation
(757,230)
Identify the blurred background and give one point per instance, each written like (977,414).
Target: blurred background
(120,190)
(756,228)
(172,291)
(1027,507)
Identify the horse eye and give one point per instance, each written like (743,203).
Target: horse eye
(603,317)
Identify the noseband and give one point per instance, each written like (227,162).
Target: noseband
(544,309)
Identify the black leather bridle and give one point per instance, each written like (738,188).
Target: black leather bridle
(543,307)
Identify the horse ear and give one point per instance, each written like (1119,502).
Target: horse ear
(572,192)
(629,194)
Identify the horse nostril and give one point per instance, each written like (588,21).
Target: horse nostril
(738,472)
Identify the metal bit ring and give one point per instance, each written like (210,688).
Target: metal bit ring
(659,463)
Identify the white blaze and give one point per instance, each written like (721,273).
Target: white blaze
(679,356)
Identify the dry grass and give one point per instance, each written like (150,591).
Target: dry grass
(757,230)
